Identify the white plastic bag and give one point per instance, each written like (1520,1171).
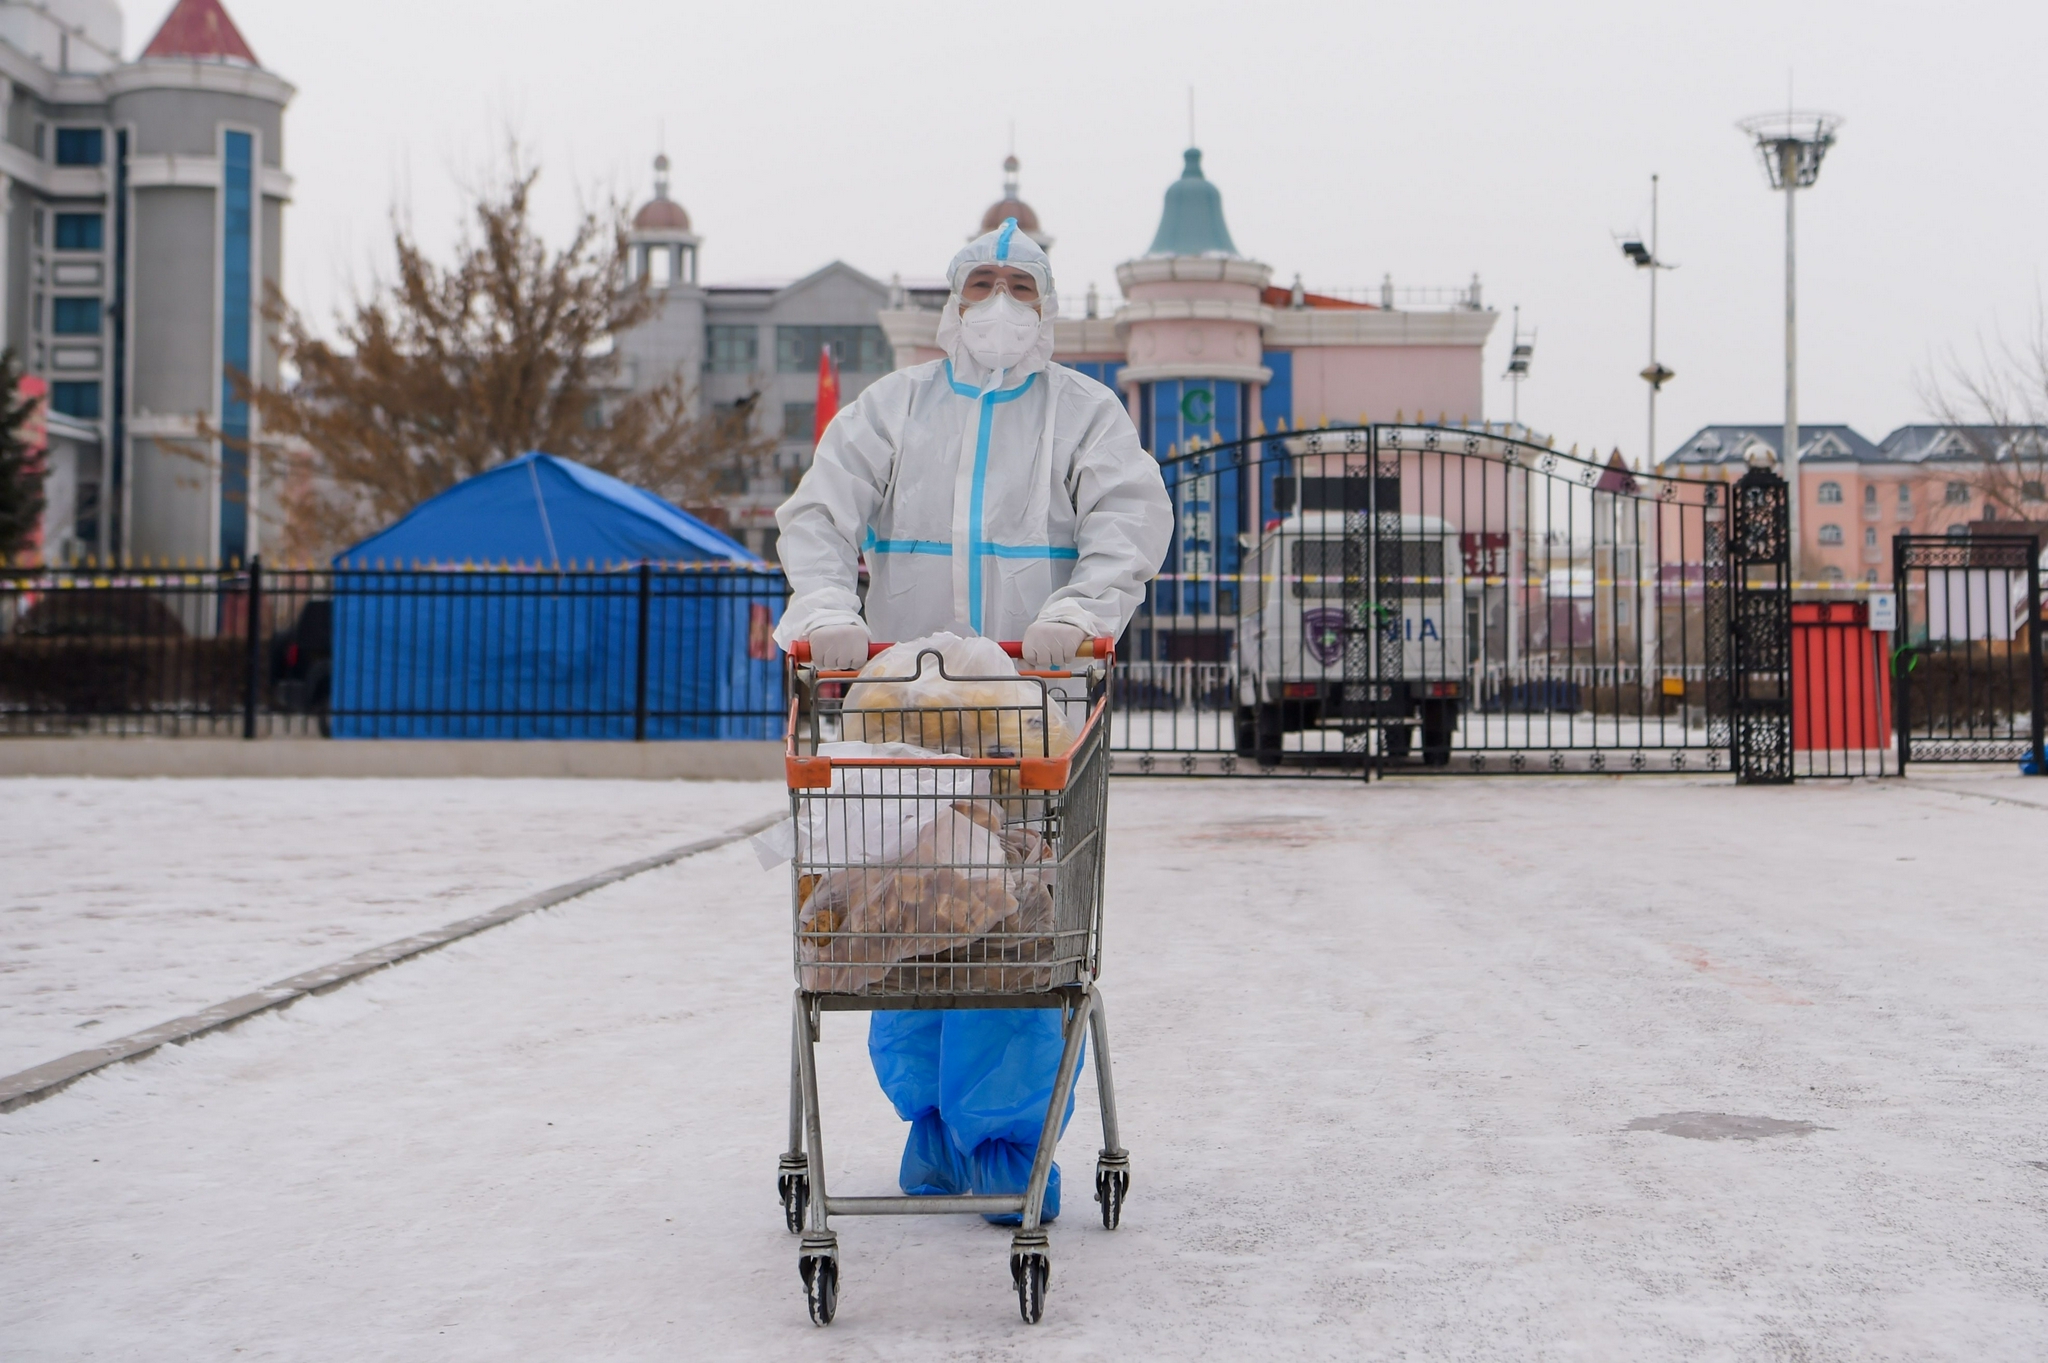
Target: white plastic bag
(1015,718)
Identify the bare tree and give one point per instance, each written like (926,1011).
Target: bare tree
(442,372)
(1997,406)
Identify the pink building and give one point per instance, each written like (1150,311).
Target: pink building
(1856,494)
(1204,345)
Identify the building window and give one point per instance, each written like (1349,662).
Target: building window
(731,349)
(858,350)
(1870,537)
(79,231)
(797,420)
(1870,494)
(1831,575)
(1831,534)
(1905,500)
(1958,493)
(75,316)
(237,237)
(2031,491)
(1830,493)
(81,400)
(81,146)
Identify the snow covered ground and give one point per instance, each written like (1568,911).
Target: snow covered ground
(127,903)
(1403,1071)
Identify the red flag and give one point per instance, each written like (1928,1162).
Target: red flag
(828,394)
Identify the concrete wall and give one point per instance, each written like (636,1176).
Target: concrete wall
(187,122)
(174,292)
(1345,382)
(669,342)
(372,758)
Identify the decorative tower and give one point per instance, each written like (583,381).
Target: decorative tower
(1010,206)
(194,163)
(663,251)
(1193,320)
(664,248)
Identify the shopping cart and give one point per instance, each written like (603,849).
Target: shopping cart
(971,879)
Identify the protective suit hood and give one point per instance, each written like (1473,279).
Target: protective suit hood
(1007,245)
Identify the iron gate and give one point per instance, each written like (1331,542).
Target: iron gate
(1380,598)
(1967,669)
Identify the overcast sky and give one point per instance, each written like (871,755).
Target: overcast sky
(1349,140)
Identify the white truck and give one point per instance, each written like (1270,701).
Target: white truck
(1320,577)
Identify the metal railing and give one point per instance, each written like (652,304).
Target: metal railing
(635,651)
(1967,666)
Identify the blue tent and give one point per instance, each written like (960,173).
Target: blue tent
(550,512)
(543,599)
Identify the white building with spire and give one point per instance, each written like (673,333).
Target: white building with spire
(142,211)
(753,343)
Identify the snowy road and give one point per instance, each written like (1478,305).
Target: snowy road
(1385,1057)
(126,903)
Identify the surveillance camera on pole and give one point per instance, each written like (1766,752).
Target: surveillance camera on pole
(1792,145)
(1524,349)
(1644,257)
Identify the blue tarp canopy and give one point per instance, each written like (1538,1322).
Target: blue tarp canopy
(543,599)
(549,512)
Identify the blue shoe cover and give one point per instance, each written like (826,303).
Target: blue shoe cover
(1004,1167)
(931,1166)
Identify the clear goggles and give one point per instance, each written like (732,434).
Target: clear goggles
(983,281)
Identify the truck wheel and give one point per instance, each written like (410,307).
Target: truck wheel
(1400,739)
(1438,720)
(1258,733)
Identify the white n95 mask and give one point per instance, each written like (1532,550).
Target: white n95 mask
(999,332)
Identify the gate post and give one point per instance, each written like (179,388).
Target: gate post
(252,625)
(1760,629)
(640,654)
(1902,636)
(1364,652)
(1716,634)
(2035,663)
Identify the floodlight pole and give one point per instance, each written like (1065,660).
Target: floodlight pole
(1788,170)
(1792,145)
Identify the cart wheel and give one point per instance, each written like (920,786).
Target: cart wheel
(1110,1187)
(796,1199)
(1031,1272)
(821,1287)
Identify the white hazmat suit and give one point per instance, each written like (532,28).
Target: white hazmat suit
(991,491)
(981,497)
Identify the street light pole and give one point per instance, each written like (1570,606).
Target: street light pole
(1792,145)
(1788,171)
(1654,373)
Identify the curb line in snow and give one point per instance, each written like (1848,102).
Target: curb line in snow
(33,1085)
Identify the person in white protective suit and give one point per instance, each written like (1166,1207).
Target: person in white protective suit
(997,493)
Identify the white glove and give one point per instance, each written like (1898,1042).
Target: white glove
(1049,645)
(840,648)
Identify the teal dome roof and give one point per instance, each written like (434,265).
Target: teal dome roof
(1192,224)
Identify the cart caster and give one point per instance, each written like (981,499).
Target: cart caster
(793,1186)
(821,1288)
(1031,1271)
(1112,1182)
(818,1262)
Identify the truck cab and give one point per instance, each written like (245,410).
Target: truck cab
(1323,584)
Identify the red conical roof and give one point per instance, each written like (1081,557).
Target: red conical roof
(200,28)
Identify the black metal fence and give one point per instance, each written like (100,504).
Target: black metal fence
(1446,599)
(643,651)
(1967,665)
